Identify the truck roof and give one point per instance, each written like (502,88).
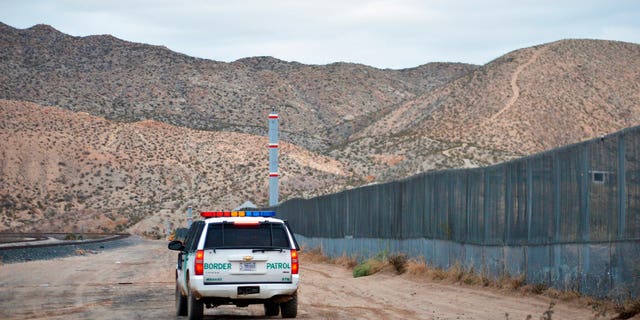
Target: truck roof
(243,219)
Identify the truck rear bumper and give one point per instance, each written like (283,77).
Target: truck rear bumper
(248,291)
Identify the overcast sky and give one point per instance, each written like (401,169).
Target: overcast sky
(384,34)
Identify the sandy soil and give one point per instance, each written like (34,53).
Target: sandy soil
(136,282)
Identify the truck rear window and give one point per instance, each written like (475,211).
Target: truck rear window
(263,235)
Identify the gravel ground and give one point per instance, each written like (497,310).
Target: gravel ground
(13,255)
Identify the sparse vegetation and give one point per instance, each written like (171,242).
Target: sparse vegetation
(628,309)
(100,192)
(73,236)
(368,267)
(399,262)
(418,269)
(388,125)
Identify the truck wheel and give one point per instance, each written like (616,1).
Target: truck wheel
(195,308)
(289,309)
(271,309)
(181,302)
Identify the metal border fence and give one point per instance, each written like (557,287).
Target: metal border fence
(568,218)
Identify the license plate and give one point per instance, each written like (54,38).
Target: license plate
(247,266)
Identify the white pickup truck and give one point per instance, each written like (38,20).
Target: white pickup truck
(239,258)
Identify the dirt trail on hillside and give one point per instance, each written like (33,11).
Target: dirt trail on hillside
(515,90)
(137,282)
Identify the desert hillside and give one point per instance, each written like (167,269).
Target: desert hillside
(125,81)
(531,99)
(101,133)
(66,171)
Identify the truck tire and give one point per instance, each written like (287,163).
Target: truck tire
(195,308)
(181,302)
(271,309)
(289,309)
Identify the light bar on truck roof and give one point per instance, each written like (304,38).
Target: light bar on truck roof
(220,214)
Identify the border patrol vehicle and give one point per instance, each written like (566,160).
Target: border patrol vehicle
(238,258)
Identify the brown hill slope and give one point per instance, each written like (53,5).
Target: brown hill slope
(126,81)
(371,125)
(531,99)
(65,171)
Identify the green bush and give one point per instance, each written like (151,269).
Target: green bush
(362,270)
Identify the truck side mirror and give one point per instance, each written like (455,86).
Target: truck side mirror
(176,245)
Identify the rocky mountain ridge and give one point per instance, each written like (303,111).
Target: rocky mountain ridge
(98,132)
(128,82)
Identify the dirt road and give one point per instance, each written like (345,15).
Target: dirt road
(136,282)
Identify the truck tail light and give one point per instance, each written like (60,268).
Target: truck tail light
(294,261)
(199,263)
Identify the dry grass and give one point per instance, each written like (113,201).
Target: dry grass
(399,262)
(345,261)
(510,282)
(561,295)
(419,269)
(316,255)
(473,278)
(313,255)
(628,309)
(455,273)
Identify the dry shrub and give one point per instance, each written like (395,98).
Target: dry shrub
(509,282)
(539,288)
(485,281)
(569,295)
(438,274)
(399,262)
(314,255)
(550,292)
(628,309)
(345,261)
(470,277)
(455,273)
(417,267)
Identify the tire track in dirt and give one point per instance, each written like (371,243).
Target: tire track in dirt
(136,282)
(339,294)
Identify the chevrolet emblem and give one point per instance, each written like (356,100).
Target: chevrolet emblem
(247,258)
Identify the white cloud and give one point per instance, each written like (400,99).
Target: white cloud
(382,33)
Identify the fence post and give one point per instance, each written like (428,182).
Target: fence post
(556,197)
(557,255)
(485,205)
(508,204)
(622,188)
(585,215)
(529,198)
(348,232)
(585,180)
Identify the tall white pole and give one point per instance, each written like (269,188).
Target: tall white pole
(273,158)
